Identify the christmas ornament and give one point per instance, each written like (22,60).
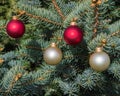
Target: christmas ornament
(52,55)
(73,35)
(99,60)
(15,28)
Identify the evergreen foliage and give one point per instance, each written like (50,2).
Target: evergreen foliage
(23,72)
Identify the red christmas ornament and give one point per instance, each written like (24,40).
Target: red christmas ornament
(73,35)
(15,28)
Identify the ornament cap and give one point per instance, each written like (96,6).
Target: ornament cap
(15,18)
(99,49)
(73,23)
(94,1)
(53,44)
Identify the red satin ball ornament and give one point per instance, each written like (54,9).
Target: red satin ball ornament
(15,28)
(73,35)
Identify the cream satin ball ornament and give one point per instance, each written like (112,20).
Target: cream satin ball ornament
(99,61)
(52,55)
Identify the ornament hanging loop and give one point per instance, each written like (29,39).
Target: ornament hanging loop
(73,21)
(103,42)
(15,17)
(96,2)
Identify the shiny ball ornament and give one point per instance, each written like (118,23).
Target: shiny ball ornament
(15,28)
(99,61)
(73,35)
(52,55)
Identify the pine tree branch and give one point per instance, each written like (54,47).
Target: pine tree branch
(96,21)
(16,78)
(43,19)
(58,9)
(37,79)
(114,27)
(115,33)
(21,12)
(38,17)
(33,47)
(81,7)
(2,27)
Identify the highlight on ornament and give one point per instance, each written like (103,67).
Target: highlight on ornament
(52,55)
(15,28)
(73,35)
(99,60)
